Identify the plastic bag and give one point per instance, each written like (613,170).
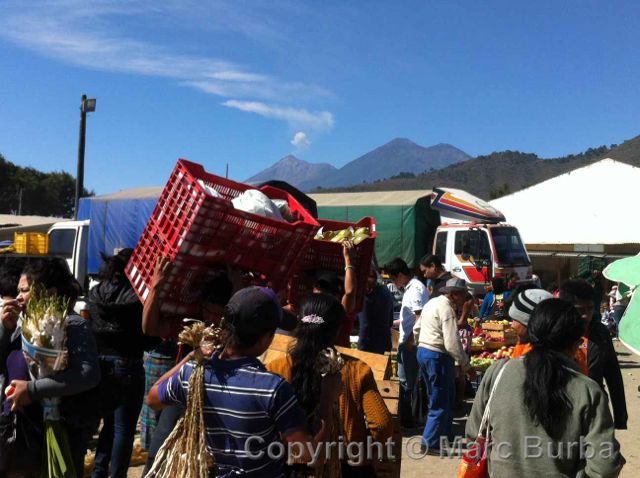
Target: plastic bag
(256,202)
(209,190)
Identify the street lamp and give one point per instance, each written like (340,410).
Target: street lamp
(86,106)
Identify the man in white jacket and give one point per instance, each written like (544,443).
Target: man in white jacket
(439,347)
(414,298)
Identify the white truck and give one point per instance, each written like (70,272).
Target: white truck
(468,235)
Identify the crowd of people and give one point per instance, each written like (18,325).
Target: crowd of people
(127,371)
(559,332)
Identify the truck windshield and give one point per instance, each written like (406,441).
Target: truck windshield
(509,247)
(62,242)
(474,243)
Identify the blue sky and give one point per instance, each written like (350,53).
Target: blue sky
(247,82)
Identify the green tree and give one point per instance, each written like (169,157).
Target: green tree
(43,194)
(499,191)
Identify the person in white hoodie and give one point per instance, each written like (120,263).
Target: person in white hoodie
(439,347)
(414,298)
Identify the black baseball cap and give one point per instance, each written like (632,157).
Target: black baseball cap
(254,310)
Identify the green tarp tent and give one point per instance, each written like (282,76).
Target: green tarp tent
(405,223)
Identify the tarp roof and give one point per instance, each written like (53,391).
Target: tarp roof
(377,198)
(6,219)
(136,193)
(10,224)
(590,205)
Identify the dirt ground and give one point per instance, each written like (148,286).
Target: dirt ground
(447,467)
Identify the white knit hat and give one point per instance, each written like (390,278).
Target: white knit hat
(525,302)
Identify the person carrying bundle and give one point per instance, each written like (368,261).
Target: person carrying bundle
(216,292)
(245,407)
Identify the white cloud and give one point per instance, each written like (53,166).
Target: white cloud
(300,140)
(296,117)
(88,34)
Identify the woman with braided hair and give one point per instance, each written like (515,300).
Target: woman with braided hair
(360,410)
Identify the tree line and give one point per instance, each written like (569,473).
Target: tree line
(31,192)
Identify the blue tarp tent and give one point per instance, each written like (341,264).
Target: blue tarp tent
(117,221)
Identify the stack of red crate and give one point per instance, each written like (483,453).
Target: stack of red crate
(198,230)
(327,256)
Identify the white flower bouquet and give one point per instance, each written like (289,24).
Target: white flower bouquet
(44,340)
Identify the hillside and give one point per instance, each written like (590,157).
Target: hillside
(295,171)
(43,194)
(504,172)
(628,152)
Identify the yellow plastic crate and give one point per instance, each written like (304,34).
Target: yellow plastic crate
(31,242)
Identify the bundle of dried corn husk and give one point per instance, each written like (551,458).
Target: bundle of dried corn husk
(184,453)
(330,362)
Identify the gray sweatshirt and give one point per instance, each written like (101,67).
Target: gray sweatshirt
(522,448)
(83,370)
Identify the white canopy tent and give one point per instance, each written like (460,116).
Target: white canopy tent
(593,205)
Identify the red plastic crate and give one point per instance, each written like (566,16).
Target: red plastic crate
(197,230)
(327,256)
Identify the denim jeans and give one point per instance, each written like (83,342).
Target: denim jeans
(618,312)
(438,372)
(408,375)
(115,442)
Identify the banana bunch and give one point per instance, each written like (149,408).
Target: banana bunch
(348,234)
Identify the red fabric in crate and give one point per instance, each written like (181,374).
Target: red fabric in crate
(327,256)
(197,230)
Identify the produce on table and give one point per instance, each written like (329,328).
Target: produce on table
(501,353)
(477,342)
(496,325)
(497,322)
(481,364)
(496,333)
(348,234)
(484,360)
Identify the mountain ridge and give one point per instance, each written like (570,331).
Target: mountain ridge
(398,156)
(500,173)
(293,170)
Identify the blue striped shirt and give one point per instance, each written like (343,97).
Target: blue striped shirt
(241,400)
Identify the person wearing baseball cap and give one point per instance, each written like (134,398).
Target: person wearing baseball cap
(520,313)
(439,348)
(242,400)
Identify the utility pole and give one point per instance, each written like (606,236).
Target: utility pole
(86,106)
(226,174)
(20,201)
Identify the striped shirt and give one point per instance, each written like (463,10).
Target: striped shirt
(242,403)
